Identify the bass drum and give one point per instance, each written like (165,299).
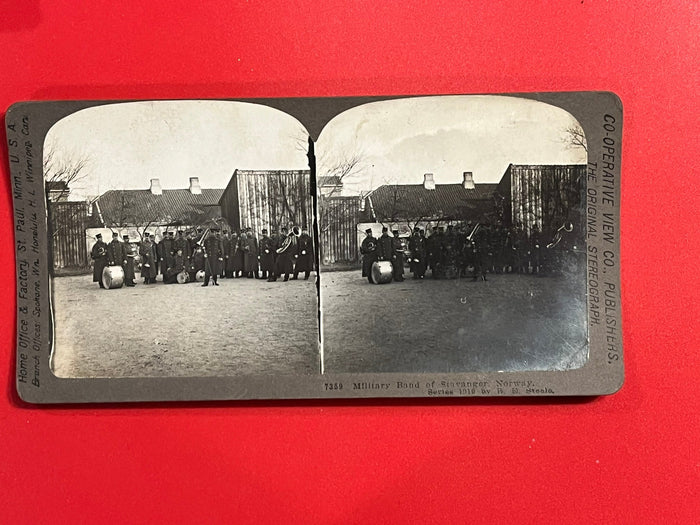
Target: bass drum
(113,277)
(183,277)
(200,276)
(381,272)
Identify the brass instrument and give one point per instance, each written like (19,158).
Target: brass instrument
(567,227)
(290,240)
(470,237)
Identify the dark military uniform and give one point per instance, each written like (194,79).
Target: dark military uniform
(535,251)
(368,249)
(481,251)
(225,248)
(214,256)
(305,256)
(417,247)
(437,251)
(115,253)
(285,255)
(181,243)
(196,262)
(170,276)
(165,253)
(99,255)
(147,251)
(385,247)
(250,256)
(267,256)
(521,250)
(129,256)
(230,253)
(397,257)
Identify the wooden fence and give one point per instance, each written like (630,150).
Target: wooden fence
(67,224)
(339,217)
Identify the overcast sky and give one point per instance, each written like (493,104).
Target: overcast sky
(128,144)
(400,140)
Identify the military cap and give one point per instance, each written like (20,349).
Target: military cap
(115,234)
(395,232)
(98,236)
(125,237)
(385,229)
(171,233)
(264,230)
(368,230)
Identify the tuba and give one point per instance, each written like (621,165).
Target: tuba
(567,227)
(290,240)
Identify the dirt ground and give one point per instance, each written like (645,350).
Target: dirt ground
(243,326)
(511,322)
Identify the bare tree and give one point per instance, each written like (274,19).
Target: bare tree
(62,173)
(574,137)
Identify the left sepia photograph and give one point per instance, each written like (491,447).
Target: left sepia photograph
(181,241)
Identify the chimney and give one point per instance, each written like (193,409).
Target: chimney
(468,180)
(195,188)
(155,187)
(428,181)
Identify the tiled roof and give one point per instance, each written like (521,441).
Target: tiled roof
(140,206)
(330,180)
(404,201)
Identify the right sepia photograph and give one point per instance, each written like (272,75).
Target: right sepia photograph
(452,237)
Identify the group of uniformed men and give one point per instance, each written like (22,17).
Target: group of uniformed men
(460,251)
(231,255)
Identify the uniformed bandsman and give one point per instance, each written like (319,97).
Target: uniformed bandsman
(368,249)
(225,247)
(130,256)
(182,245)
(147,251)
(213,256)
(385,246)
(416,246)
(115,252)
(99,255)
(267,255)
(305,255)
(197,262)
(178,266)
(285,257)
(230,255)
(251,255)
(397,256)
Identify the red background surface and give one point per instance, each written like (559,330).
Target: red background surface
(629,458)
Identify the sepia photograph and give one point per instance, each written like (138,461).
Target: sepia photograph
(452,237)
(297,248)
(149,203)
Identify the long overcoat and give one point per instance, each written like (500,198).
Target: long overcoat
(305,253)
(99,255)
